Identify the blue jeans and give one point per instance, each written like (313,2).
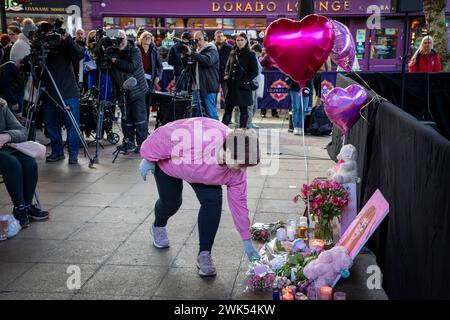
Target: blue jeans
(208,101)
(297,119)
(55,118)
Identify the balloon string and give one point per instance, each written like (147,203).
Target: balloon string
(305,156)
(376,96)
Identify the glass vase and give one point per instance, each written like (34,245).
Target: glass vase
(325,233)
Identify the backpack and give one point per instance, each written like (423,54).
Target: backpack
(320,124)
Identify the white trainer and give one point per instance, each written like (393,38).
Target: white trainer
(160,239)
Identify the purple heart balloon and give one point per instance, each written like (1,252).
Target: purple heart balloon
(343,52)
(342,106)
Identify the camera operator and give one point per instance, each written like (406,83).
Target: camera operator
(59,64)
(206,73)
(178,61)
(127,64)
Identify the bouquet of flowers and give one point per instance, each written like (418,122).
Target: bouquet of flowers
(260,277)
(327,200)
(264,232)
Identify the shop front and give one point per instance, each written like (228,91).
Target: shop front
(379,47)
(47,10)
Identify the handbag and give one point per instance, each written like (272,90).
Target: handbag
(30,148)
(249,85)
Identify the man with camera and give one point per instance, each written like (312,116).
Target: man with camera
(206,73)
(63,51)
(178,61)
(127,63)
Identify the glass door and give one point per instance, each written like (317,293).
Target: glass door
(361,35)
(386,47)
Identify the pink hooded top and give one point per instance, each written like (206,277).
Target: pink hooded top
(187,149)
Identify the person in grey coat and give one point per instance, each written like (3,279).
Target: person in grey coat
(19,171)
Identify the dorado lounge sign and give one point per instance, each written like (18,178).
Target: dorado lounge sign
(272,6)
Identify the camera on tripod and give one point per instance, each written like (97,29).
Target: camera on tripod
(45,40)
(106,46)
(191,43)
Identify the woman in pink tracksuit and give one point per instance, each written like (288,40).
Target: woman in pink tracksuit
(206,154)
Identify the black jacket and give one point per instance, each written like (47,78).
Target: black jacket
(157,67)
(224,54)
(208,66)
(61,67)
(127,65)
(8,76)
(175,60)
(237,94)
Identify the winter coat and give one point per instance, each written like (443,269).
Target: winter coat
(237,94)
(208,65)
(127,65)
(8,77)
(157,67)
(224,54)
(60,65)
(175,60)
(426,63)
(10,125)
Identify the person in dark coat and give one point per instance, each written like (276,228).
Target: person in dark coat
(178,61)
(151,61)
(224,50)
(129,64)
(241,68)
(59,64)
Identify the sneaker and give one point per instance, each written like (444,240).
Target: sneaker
(21,215)
(137,149)
(73,160)
(296,131)
(160,239)
(205,264)
(37,214)
(55,157)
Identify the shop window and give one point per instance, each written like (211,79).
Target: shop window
(244,23)
(384,45)
(195,23)
(228,23)
(260,23)
(145,22)
(213,24)
(361,43)
(126,22)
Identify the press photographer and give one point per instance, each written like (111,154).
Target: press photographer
(126,62)
(54,49)
(177,59)
(206,73)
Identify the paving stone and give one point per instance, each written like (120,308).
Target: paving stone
(11,271)
(116,232)
(125,281)
(26,250)
(49,278)
(50,230)
(74,213)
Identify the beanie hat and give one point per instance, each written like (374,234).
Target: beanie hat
(27,29)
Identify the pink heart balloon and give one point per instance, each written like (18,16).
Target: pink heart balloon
(342,106)
(300,48)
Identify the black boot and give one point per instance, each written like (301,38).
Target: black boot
(21,214)
(226,119)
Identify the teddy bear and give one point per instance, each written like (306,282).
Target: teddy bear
(346,169)
(328,266)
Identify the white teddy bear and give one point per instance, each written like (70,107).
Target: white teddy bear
(346,170)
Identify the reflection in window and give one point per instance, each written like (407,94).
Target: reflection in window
(145,22)
(228,23)
(126,22)
(385,44)
(195,23)
(244,23)
(213,23)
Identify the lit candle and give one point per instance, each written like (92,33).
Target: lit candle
(326,293)
(340,296)
(287,294)
(316,244)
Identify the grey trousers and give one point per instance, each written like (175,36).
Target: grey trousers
(251,112)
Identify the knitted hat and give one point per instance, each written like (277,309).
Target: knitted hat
(27,29)
(5,39)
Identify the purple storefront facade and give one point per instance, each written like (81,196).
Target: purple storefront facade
(379,47)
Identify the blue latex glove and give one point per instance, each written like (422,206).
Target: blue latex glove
(145,167)
(250,251)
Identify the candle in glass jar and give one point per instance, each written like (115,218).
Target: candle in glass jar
(326,293)
(316,244)
(287,294)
